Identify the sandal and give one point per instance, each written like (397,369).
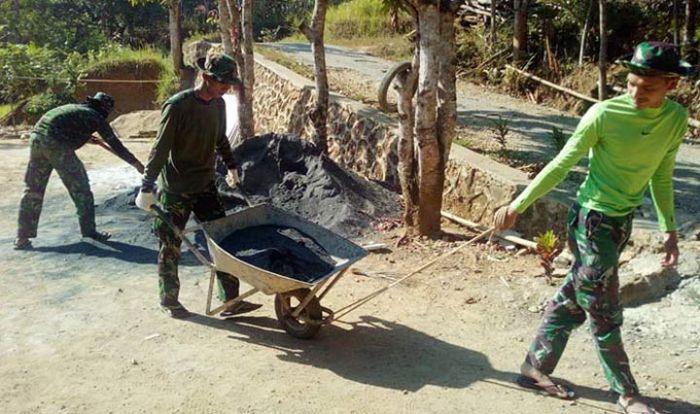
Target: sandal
(239,308)
(22,243)
(551,390)
(99,236)
(635,406)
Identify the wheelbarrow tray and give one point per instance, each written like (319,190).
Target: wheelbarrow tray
(343,251)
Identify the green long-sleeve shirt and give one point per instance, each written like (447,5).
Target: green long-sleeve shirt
(628,149)
(191,132)
(73,125)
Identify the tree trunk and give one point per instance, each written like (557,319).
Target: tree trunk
(429,156)
(408,165)
(16,35)
(319,115)
(447,89)
(225,26)
(175,29)
(584,33)
(676,24)
(245,108)
(603,52)
(689,43)
(493,26)
(520,30)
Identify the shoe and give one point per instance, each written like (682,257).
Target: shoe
(239,308)
(177,312)
(99,236)
(22,243)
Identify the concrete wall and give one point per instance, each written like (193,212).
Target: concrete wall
(365,140)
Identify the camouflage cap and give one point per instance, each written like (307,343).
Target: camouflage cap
(103,100)
(656,59)
(220,67)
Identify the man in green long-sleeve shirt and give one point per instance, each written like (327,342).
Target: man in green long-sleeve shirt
(52,145)
(632,141)
(192,130)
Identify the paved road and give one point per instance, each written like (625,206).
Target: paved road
(531,123)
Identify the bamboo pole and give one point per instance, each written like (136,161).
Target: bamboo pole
(478,227)
(553,85)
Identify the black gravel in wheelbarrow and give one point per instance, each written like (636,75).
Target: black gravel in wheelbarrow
(282,250)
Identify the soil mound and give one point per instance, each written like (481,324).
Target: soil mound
(291,173)
(137,124)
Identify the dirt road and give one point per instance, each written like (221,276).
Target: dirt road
(81,331)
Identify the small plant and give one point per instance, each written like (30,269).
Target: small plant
(558,137)
(501,128)
(548,247)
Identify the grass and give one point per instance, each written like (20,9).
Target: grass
(5,109)
(284,60)
(114,56)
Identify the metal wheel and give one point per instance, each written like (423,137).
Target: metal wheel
(309,321)
(383,91)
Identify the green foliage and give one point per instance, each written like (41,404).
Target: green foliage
(501,129)
(5,109)
(42,102)
(558,137)
(547,242)
(356,18)
(548,247)
(26,70)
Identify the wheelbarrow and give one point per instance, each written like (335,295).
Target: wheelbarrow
(297,303)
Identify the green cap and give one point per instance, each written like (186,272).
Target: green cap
(656,59)
(220,67)
(102,100)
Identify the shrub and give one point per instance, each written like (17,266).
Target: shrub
(360,18)
(42,102)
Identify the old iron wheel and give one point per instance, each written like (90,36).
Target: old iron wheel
(305,326)
(386,83)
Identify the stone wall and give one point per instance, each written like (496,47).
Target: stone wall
(365,140)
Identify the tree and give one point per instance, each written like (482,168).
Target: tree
(603,51)
(689,42)
(241,22)
(428,128)
(175,32)
(314,34)
(520,30)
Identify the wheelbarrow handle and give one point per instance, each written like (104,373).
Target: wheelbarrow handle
(179,233)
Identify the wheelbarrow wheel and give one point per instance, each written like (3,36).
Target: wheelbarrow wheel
(305,326)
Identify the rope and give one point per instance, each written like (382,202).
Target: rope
(351,307)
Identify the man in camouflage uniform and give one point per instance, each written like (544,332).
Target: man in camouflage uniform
(53,142)
(192,131)
(632,141)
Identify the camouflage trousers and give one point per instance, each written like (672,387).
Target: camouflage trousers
(590,290)
(206,206)
(45,156)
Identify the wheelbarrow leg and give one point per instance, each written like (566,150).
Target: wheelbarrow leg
(307,299)
(228,303)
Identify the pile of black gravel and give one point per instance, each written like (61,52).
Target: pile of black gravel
(289,173)
(282,250)
(292,174)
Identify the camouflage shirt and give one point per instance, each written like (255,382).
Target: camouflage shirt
(74,124)
(191,132)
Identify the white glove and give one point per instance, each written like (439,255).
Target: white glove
(145,200)
(232,178)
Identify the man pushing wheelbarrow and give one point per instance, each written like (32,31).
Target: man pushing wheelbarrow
(192,130)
